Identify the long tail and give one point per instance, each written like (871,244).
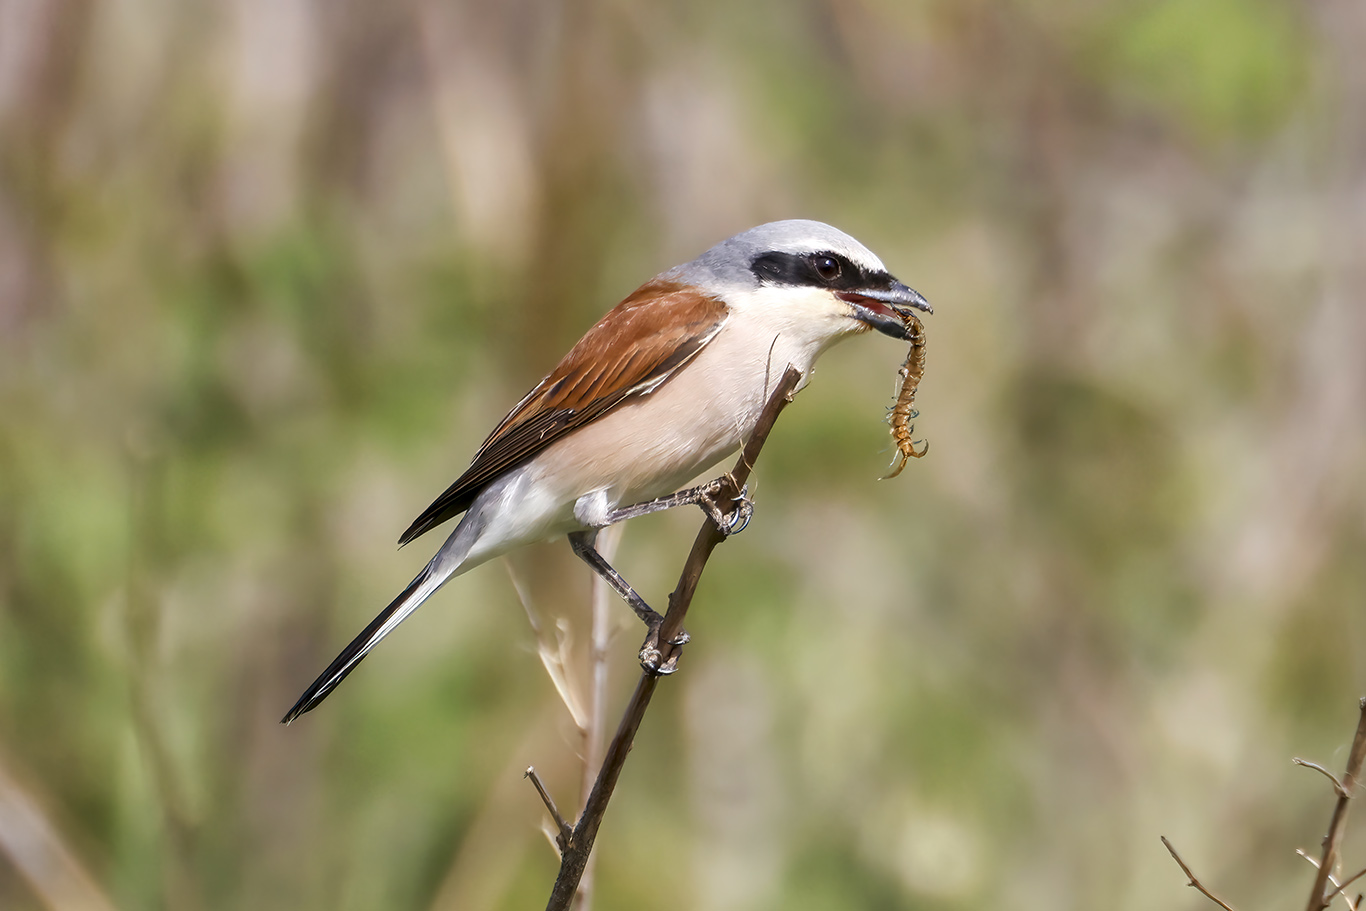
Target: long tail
(435,574)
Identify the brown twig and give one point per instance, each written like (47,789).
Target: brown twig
(1333,840)
(586,710)
(1353,905)
(1194,881)
(1337,785)
(1337,886)
(585,832)
(562,838)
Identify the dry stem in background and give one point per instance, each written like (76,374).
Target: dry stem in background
(31,842)
(603,599)
(575,858)
(586,710)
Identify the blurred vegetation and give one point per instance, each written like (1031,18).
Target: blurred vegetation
(270,269)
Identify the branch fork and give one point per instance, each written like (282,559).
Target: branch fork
(576,842)
(1345,788)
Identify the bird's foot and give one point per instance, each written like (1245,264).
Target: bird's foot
(661,662)
(744,511)
(741,511)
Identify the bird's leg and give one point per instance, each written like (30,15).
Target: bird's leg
(651,658)
(704,496)
(582,543)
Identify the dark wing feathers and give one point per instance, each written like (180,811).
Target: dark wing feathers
(628,354)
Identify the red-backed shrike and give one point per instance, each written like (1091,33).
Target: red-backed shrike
(667,384)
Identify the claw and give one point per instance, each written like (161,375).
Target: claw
(739,517)
(744,511)
(652,660)
(706,498)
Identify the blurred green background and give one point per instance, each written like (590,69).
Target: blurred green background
(271,269)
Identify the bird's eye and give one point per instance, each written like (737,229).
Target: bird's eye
(826,267)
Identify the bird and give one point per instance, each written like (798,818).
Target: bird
(664,386)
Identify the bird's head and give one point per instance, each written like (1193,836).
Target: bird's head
(808,273)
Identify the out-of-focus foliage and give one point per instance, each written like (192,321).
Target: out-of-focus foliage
(270,269)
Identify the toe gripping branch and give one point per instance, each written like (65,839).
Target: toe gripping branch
(726,502)
(652,658)
(713,497)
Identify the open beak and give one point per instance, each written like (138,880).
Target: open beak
(881,308)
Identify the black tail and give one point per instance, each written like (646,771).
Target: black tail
(351,656)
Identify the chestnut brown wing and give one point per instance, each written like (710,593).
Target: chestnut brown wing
(635,348)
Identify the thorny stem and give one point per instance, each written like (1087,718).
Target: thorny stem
(575,858)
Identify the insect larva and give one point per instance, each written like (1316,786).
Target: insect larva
(903,412)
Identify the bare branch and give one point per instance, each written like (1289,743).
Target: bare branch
(1333,840)
(1351,905)
(1337,785)
(585,831)
(1194,881)
(565,832)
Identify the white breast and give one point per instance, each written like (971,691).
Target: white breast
(654,446)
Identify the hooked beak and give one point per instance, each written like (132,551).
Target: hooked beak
(882,308)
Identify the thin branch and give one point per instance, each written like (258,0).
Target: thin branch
(1194,881)
(588,713)
(585,832)
(565,832)
(1333,840)
(1338,887)
(1343,885)
(1337,785)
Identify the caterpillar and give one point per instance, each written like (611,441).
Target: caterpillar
(903,412)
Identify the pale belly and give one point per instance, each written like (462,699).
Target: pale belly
(646,449)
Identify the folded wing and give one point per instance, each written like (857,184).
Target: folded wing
(631,352)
